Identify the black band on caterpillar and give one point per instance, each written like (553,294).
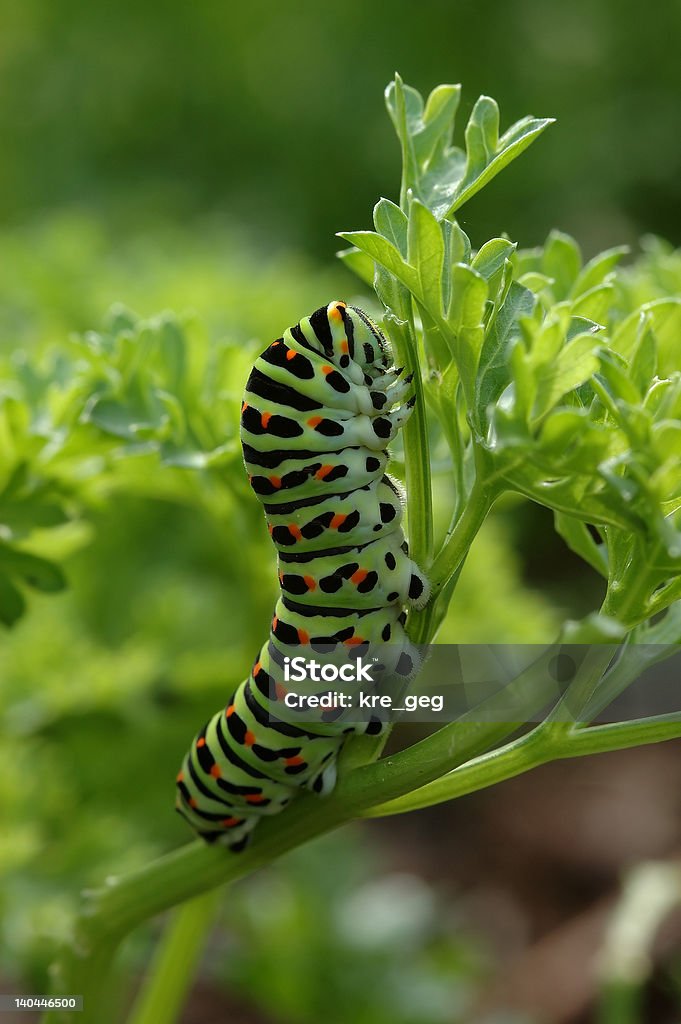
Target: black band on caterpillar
(321,405)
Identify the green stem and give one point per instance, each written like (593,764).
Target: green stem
(529,751)
(455,549)
(110,913)
(171,974)
(416,448)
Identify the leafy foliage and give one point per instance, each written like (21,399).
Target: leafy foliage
(542,382)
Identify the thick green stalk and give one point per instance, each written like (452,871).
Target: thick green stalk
(171,974)
(113,911)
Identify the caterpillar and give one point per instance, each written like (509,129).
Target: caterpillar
(320,407)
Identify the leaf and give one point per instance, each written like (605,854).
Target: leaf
(490,153)
(468,293)
(391,222)
(385,253)
(578,538)
(12,603)
(490,259)
(442,176)
(173,353)
(595,303)
(596,270)
(561,261)
(37,572)
(426,253)
(664,316)
(438,122)
(573,365)
(643,363)
(493,374)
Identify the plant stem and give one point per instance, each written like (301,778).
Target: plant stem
(455,549)
(529,751)
(171,974)
(416,448)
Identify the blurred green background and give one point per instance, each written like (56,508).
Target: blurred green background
(200,158)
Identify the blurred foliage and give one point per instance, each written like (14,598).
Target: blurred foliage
(374,946)
(138,113)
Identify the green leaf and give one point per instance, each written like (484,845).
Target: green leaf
(427,128)
(643,363)
(12,603)
(561,261)
(426,253)
(493,373)
(442,176)
(467,298)
(664,316)
(37,572)
(596,270)
(578,538)
(391,222)
(595,303)
(487,153)
(490,259)
(385,253)
(468,294)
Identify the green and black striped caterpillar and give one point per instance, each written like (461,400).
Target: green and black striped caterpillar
(321,405)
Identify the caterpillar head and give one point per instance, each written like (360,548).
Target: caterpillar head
(370,348)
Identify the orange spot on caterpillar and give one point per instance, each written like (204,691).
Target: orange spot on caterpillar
(255,798)
(326,369)
(281,577)
(280,691)
(277,342)
(324,471)
(358,576)
(215,771)
(275,481)
(291,354)
(270,529)
(244,406)
(179,777)
(294,760)
(303,637)
(335,312)
(257,667)
(337,521)
(344,346)
(352,641)
(230,711)
(201,742)
(295,531)
(249,739)
(310,582)
(275,622)
(265,419)
(192,801)
(314,421)
(228,822)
